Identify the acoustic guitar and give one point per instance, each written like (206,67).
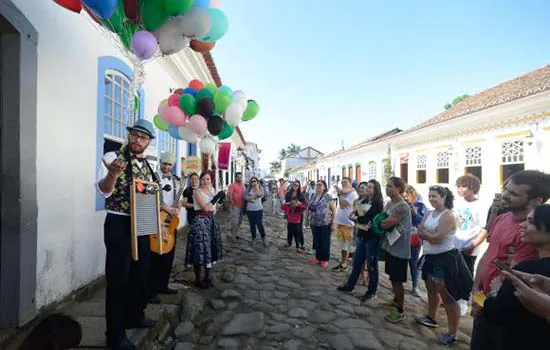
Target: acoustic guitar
(169,227)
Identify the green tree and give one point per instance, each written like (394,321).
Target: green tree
(456,101)
(275,167)
(293,148)
(282,153)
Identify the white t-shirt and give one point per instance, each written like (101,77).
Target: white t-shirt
(342,215)
(469,223)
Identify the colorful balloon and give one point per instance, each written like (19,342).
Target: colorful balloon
(227,89)
(222,100)
(251,111)
(170,36)
(131,10)
(233,114)
(116,22)
(160,123)
(152,14)
(188,135)
(162,106)
(218,25)
(198,124)
(144,45)
(240,98)
(196,84)
(205,107)
(174,100)
(188,104)
(195,23)
(72,5)
(189,91)
(204,93)
(215,4)
(199,46)
(174,116)
(176,7)
(215,125)
(212,87)
(227,131)
(202,4)
(207,145)
(104,9)
(174,132)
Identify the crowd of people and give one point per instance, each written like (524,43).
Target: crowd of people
(505,283)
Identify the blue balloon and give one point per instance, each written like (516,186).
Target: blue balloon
(218,25)
(227,89)
(173,131)
(190,91)
(205,4)
(104,9)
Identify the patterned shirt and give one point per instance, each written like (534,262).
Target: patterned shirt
(319,211)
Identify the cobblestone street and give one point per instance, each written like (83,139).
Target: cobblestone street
(271,298)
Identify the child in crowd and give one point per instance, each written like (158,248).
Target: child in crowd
(293,213)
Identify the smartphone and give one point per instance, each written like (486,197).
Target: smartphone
(501,266)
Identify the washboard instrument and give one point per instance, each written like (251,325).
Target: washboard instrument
(145,216)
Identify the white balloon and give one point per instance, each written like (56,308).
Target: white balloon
(195,23)
(207,145)
(233,114)
(240,98)
(170,36)
(188,135)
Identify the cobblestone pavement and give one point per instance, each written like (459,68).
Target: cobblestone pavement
(271,298)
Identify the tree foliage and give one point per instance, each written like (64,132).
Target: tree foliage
(456,101)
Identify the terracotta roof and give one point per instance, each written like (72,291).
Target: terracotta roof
(528,84)
(209,60)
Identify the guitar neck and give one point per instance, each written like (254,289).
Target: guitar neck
(178,196)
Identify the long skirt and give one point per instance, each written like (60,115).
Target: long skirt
(204,246)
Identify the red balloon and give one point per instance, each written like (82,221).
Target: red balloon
(178,91)
(131,10)
(72,5)
(196,84)
(202,47)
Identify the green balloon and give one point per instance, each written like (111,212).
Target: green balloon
(127,34)
(213,89)
(251,111)
(116,22)
(177,7)
(227,131)
(204,93)
(160,123)
(222,100)
(152,14)
(188,104)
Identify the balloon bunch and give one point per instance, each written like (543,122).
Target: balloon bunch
(204,112)
(145,26)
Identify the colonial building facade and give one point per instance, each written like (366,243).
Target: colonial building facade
(492,135)
(65,91)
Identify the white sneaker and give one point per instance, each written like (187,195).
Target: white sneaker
(463,307)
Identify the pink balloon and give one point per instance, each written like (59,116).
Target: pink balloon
(174,116)
(162,106)
(174,100)
(197,124)
(215,4)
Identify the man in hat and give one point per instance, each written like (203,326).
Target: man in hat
(161,265)
(126,295)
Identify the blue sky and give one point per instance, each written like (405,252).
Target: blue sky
(324,71)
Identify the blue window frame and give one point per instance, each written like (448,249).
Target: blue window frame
(113,114)
(191,149)
(167,143)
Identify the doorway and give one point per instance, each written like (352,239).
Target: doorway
(18,208)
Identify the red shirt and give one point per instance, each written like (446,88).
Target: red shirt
(236,192)
(293,214)
(504,233)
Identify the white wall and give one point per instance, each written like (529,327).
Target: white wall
(70,231)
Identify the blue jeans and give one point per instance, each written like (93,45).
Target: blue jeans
(321,234)
(413,264)
(366,250)
(255,219)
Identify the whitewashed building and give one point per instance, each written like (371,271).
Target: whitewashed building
(64,88)
(297,159)
(491,134)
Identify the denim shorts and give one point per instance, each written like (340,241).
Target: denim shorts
(433,272)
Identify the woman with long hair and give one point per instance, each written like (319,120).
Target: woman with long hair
(369,204)
(523,329)
(321,214)
(255,210)
(204,240)
(444,270)
(418,210)
(188,202)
